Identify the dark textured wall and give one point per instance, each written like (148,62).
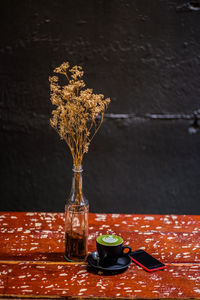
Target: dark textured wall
(143,54)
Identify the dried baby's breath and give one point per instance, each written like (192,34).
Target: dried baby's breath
(79,112)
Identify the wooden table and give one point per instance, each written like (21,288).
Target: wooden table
(32,264)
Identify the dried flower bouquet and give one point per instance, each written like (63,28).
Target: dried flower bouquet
(79,112)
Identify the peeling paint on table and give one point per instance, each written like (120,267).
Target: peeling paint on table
(32,247)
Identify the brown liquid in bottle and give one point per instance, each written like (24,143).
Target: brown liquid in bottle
(75,246)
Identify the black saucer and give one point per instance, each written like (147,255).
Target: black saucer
(122,263)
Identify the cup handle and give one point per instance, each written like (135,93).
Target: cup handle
(126,247)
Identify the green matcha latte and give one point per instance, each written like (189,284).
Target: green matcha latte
(109,240)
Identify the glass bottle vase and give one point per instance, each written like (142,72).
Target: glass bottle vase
(76,220)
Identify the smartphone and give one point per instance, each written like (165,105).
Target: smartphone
(146,261)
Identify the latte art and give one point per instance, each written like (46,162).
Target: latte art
(109,239)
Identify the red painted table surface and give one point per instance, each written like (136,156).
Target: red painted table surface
(32,263)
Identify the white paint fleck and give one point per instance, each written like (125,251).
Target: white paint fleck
(38,224)
(59,267)
(180,293)
(100,217)
(158,227)
(155,244)
(115,215)
(149,218)
(80,281)
(49,286)
(157,286)
(33,248)
(148,240)
(82,271)
(3,272)
(143,248)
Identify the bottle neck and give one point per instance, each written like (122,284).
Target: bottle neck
(77,191)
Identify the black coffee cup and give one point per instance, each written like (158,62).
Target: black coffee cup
(110,248)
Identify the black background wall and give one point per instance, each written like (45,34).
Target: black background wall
(145,55)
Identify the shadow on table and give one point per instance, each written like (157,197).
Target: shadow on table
(103,272)
(38,256)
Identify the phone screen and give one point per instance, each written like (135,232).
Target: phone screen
(146,260)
